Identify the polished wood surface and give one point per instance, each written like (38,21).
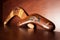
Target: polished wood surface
(15,33)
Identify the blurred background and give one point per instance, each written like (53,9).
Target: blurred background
(49,9)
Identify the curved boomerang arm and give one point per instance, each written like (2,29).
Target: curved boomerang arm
(17,11)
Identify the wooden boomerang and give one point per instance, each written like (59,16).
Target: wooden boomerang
(35,18)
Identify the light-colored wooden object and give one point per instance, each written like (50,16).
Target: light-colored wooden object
(17,11)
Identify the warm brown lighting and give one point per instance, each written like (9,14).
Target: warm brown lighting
(17,11)
(39,20)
